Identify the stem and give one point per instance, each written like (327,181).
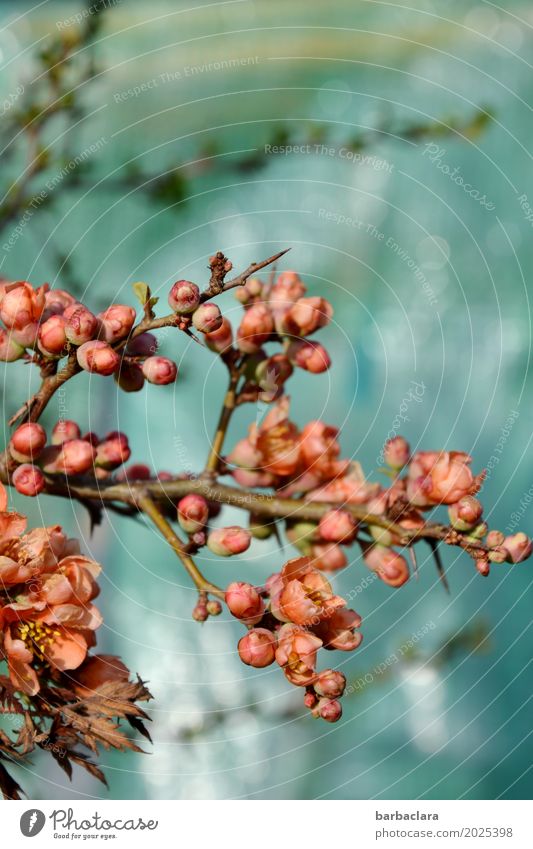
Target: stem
(213,461)
(272,506)
(148,506)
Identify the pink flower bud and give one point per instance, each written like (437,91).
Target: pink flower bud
(207,318)
(331,711)
(52,339)
(98,358)
(115,322)
(26,337)
(483,567)
(159,370)
(465,513)
(75,457)
(495,539)
(519,547)
(309,356)
(80,324)
(27,442)
(229,541)
(337,526)
(184,297)
(310,699)
(193,513)
(129,377)
(143,345)
(56,302)
(390,566)
(10,350)
(330,683)
(220,340)
(257,648)
(112,452)
(244,602)
(63,430)
(255,328)
(214,608)
(307,315)
(28,480)
(135,472)
(200,612)
(22,305)
(92,438)
(328,558)
(396,452)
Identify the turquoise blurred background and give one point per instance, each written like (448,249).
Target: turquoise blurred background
(431,289)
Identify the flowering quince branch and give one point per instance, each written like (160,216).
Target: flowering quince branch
(47,618)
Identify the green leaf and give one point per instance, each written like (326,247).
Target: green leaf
(141,292)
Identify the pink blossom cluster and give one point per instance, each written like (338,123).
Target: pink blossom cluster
(294,615)
(307,462)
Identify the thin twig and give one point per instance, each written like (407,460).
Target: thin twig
(148,506)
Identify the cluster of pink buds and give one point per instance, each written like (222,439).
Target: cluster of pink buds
(68,453)
(289,620)
(47,325)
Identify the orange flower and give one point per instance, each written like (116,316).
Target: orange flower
(339,630)
(446,477)
(296,654)
(304,596)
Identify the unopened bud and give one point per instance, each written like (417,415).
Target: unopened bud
(465,513)
(330,710)
(396,452)
(159,370)
(220,340)
(98,358)
(184,297)
(200,612)
(495,539)
(129,377)
(75,457)
(64,430)
(244,602)
(228,541)
(80,324)
(112,452)
(330,683)
(27,442)
(483,567)
(255,328)
(52,338)
(214,608)
(143,345)
(337,526)
(310,356)
(207,318)
(10,350)
(519,547)
(115,322)
(28,480)
(193,513)
(257,648)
